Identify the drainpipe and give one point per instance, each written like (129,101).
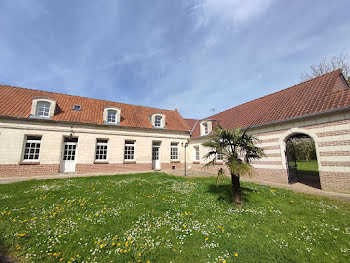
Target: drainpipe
(185,146)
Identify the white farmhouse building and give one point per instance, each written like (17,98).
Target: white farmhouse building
(43,133)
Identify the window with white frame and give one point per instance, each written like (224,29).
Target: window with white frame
(206,129)
(101,150)
(43,109)
(219,156)
(129,151)
(196,153)
(111,116)
(174,151)
(158,121)
(32,148)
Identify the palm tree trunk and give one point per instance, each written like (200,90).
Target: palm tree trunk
(236,190)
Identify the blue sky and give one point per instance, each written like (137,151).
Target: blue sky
(190,55)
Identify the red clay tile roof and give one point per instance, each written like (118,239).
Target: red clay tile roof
(191,122)
(322,94)
(16,102)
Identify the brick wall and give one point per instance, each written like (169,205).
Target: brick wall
(335,181)
(17,170)
(272,175)
(169,166)
(111,168)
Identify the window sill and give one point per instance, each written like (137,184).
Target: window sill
(219,163)
(40,117)
(101,162)
(28,163)
(195,162)
(129,162)
(174,161)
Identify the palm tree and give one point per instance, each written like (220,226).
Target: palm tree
(238,150)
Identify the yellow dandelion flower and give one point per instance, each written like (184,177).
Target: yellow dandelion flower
(61,259)
(114,238)
(206,238)
(335,237)
(283,221)
(101,246)
(236,254)
(185,226)
(113,244)
(77,255)
(118,244)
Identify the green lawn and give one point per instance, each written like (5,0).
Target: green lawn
(161,218)
(308,168)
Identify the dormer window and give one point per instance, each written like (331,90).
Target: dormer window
(111,118)
(205,127)
(43,109)
(111,115)
(158,121)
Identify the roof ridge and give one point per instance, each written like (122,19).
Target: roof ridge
(57,93)
(329,73)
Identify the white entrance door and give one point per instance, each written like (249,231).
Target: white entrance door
(69,157)
(156,156)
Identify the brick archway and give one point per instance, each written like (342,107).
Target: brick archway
(293,131)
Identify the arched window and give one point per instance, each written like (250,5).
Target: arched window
(158,120)
(205,126)
(111,115)
(43,109)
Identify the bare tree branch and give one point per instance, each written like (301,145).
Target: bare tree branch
(341,61)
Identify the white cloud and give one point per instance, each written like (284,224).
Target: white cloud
(231,11)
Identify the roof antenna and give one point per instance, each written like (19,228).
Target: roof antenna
(212,110)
